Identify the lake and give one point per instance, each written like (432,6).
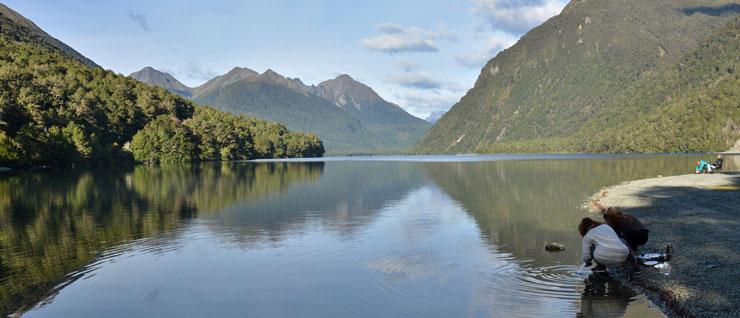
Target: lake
(440,236)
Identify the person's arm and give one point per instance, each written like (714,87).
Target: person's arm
(586,249)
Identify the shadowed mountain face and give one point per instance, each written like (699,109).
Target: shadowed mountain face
(389,122)
(24,29)
(297,111)
(573,68)
(348,116)
(362,102)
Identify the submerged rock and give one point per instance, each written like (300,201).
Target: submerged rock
(554,247)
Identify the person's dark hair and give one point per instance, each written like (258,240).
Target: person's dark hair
(612,216)
(586,224)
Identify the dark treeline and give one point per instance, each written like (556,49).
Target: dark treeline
(55,110)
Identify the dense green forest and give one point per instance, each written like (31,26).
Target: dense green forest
(215,135)
(55,110)
(692,106)
(573,84)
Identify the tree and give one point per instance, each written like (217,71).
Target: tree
(164,140)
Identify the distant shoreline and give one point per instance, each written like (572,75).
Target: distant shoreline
(485,157)
(697,214)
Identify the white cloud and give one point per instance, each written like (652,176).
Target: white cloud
(425,103)
(421,93)
(397,39)
(195,71)
(414,80)
(517,16)
(494,44)
(407,65)
(412,76)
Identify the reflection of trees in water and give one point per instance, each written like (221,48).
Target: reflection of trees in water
(52,224)
(347,197)
(521,205)
(207,188)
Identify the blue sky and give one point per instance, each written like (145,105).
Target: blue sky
(422,55)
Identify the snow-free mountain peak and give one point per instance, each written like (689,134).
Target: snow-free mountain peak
(165,80)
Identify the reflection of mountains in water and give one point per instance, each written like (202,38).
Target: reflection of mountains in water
(346,197)
(521,205)
(72,217)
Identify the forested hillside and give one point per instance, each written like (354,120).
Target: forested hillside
(300,112)
(16,26)
(692,106)
(574,83)
(55,110)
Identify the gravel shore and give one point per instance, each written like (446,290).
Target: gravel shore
(700,216)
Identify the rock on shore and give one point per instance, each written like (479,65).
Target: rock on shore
(700,216)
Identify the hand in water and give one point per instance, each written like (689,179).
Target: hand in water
(580,269)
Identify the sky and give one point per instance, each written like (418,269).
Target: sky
(422,55)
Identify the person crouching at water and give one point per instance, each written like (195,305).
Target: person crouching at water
(628,227)
(702,167)
(601,244)
(717,165)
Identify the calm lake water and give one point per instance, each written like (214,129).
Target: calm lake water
(345,237)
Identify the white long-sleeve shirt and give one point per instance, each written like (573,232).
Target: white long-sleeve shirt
(609,249)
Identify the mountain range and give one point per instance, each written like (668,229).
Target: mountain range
(606,76)
(348,116)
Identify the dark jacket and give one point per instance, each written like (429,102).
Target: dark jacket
(718,164)
(629,224)
(632,231)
